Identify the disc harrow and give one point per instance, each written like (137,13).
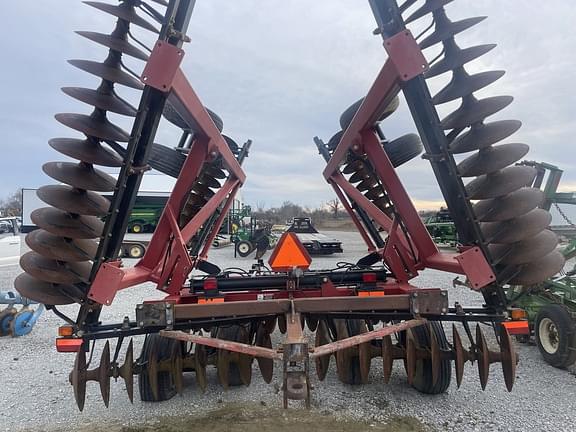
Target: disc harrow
(505,204)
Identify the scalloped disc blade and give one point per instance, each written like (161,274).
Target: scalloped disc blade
(492,159)
(80,176)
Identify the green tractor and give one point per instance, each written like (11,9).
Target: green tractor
(442,228)
(144,219)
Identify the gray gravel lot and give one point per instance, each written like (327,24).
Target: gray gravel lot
(35,394)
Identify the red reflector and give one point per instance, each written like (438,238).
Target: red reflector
(369,277)
(68,345)
(517,327)
(210,283)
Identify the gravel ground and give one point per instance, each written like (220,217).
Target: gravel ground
(35,394)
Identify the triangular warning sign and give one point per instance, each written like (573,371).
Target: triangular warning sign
(289,253)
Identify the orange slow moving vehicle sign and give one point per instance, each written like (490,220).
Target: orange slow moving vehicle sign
(289,254)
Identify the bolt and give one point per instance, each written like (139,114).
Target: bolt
(169,322)
(168,306)
(141,323)
(444,310)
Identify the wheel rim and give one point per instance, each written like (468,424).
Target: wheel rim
(136,228)
(243,248)
(549,337)
(135,252)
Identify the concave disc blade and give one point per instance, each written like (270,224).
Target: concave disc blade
(125,12)
(474,111)
(214,171)
(492,159)
(40,291)
(196,200)
(96,125)
(483,357)
(104,374)
(108,73)
(53,271)
(206,180)
(510,206)
(367,184)
(448,29)
(72,200)
(360,175)
(456,58)
(66,225)
(203,190)
(429,7)
(539,270)
(78,379)
(508,358)
(463,84)
(106,102)
(80,176)
(517,229)
(500,183)
(374,193)
(484,135)
(89,151)
(526,250)
(60,248)
(352,167)
(115,44)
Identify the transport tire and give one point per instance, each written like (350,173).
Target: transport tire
(244,248)
(135,251)
(348,115)
(166,388)
(423,376)
(403,149)
(555,333)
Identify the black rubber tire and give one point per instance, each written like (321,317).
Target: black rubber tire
(347,116)
(240,248)
(166,388)
(565,354)
(423,377)
(403,149)
(166,160)
(173,117)
(231,333)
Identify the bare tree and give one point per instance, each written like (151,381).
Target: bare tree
(12,206)
(334,206)
(260,206)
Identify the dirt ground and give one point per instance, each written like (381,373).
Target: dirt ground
(258,418)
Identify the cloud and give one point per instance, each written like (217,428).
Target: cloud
(281,73)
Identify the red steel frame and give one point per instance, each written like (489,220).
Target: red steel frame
(167,261)
(405,254)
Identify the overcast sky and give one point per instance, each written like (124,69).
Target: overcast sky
(281,72)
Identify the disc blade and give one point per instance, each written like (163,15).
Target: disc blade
(448,29)
(387,358)
(360,175)
(106,72)
(203,190)
(463,84)
(374,193)
(492,159)
(482,135)
(410,356)
(223,368)
(115,44)
(367,184)
(176,368)
(104,374)
(517,229)
(60,248)
(40,291)
(211,182)
(89,151)
(352,167)
(125,12)
(73,200)
(81,176)
(200,362)
(66,225)
(459,359)
(474,111)
(106,102)
(456,58)
(214,171)
(127,371)
(539,270)
(429,7)
(509,206)
(53,271)
(483,357)
(500,183)
(364,356)
(95,125)
(78,379)
(526,250)
(322,338)
(266,365)
(508,358)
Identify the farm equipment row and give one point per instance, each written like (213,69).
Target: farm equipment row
(226,319)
